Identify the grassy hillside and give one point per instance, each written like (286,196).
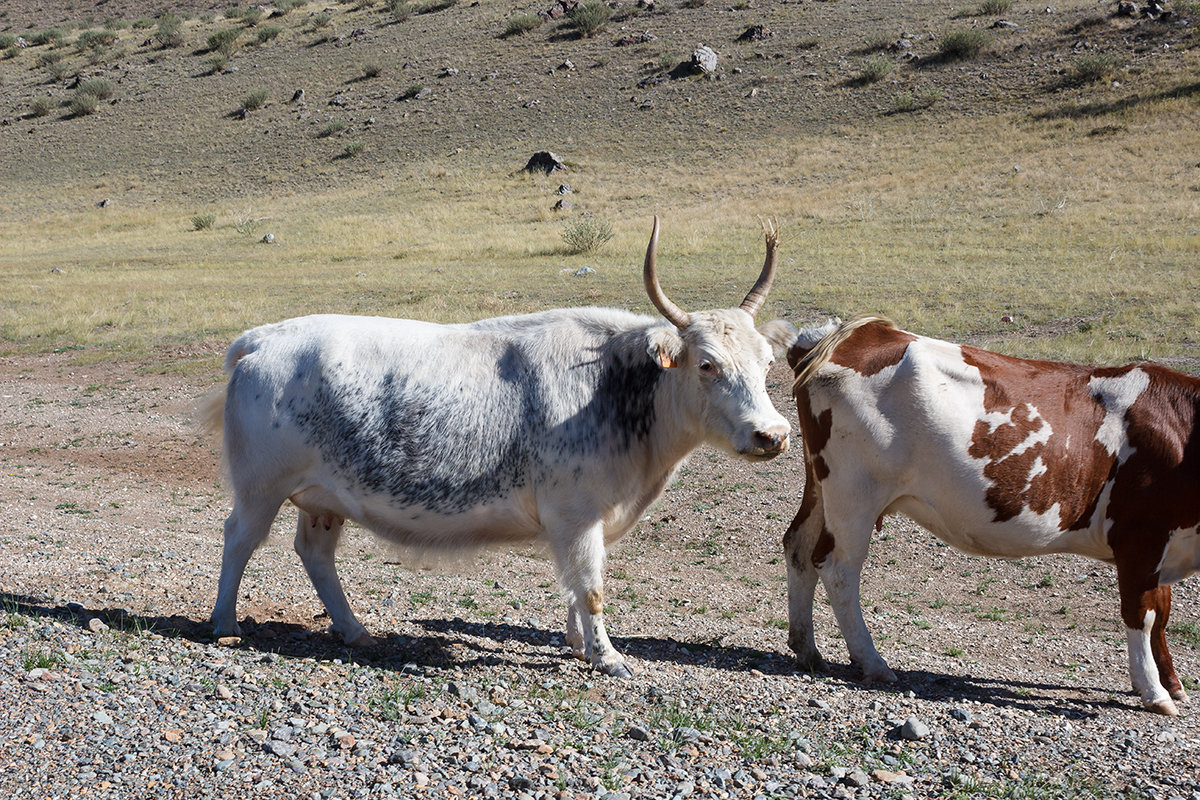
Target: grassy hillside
(1033,186)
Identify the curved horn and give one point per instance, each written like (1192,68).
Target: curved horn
(758,294)
(674,314)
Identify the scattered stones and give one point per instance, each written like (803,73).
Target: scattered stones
(563,205)
(704,60)
(96,625)
(756,33)
(637,38)
(545,162)
(961,714)
(638,733)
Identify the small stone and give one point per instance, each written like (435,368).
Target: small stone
(173,735)
(102,718)
(892,778)
(223,692)
(281,749)
(856,778)
(229,641)
(224,755)
(96,625)
(962,715)
(564,188)
(268,238)
(913,730)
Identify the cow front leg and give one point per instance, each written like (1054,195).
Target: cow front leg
(316,542)
(247,527)
(581,564)
(839,561)
(798,544)
(1158,645)
(1139,610)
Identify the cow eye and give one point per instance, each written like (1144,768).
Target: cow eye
(708,368)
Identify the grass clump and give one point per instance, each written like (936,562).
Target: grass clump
(1093,67)
(963,44)
(372,69)
(41,106)
(12,52)
(352,149)
(7,40)
(994,8)
(400,10)
(589,19)
(520,24)
(320,20)
(50,36)
(203,222)
(251,16)
(169,33)
(587,234)
(224,41)
(875,68)
(267,33)
(254,100)
(412,91)
(101,88)
(95,40)
(288,6)
(82,104)
(923,97)
(332,127)
(432,6)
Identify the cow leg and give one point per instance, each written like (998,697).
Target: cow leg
(575,632)
(1158,645)
(581,563)
(798,544)
(316,542)
(1139,610)
(246,528)
(839,560)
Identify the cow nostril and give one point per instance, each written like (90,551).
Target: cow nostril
(770,441)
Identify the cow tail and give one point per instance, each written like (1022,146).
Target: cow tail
(823,351)
(210,409)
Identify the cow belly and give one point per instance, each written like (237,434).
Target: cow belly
(1181,557)
(976,533)
(503,521)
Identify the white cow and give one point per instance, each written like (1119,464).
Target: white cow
(563,425)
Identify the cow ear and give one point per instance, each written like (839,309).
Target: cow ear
(780,333)
(666,347)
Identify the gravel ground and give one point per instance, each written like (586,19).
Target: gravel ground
(1013,676)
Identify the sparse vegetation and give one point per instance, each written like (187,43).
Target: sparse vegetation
(267,32)
(50,36)
(519,24)
(254,100)
(95,39)
(7,40)
(412,91)
(224,41)
(203,222)
(100,87)
(589,18)
(321,19)
(41,106)
(400,10)
(332,127)
(353,149)
(586,234)
(1092,67)
(963,44)
(288,6)
(82,104)
(169,32)
(994,8)
(251,16)
(433,6)
(372,69)
(875,68)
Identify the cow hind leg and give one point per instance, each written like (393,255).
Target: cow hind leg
(581,563)
(246,528)
(798,544)
(317,537)
(1139,610)
(1158,645)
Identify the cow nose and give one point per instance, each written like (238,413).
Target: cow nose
(771,441)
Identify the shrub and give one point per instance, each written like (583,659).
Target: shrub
(254,100)
(412,91)
(41,106)
(49,58)
(963,44)
(519,24)
(217,63)
(1090,67)
(267,33)
(352,149)
(224,41)
(203,222)
(251,16)
(320,20)
(588,19)
(372,69)
(58,70)
(94,40)
(875,68)
(169,32)
(430,6)
(586,234)
(363,5)
(101,88)
(878,41)
(52,36)
(400,10)
(333,126)
(7,40)
(12,52)
(82,104)
(143,23)
(994,8)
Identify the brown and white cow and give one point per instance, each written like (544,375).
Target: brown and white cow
(997,456)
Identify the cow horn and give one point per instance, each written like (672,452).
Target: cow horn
(758,294)
(674,314)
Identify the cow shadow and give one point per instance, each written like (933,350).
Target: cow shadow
(455,643)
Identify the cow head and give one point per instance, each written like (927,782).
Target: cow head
(723,362)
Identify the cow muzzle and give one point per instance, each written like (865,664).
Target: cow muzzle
(767,443)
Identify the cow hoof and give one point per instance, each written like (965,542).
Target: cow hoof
(1165,707)
(811,663)
(226,631)
(363,640)
(879,675)
(617,670)
(1179,695)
